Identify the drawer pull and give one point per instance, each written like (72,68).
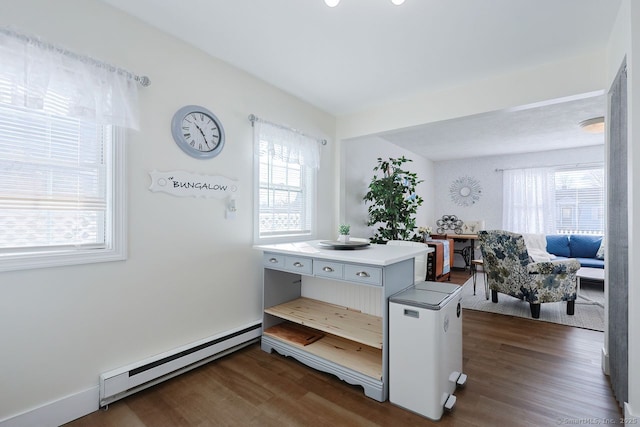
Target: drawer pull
(273,260)
(362,274)
(298,264)
(327,269)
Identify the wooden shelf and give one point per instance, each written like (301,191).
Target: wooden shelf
(292,332)
(354,345)
(333,319)
(360,358)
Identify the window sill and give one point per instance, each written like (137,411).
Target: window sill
(60,258)
(284,239)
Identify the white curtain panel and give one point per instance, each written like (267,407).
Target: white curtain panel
(287,145)
(528,204)
(39,76)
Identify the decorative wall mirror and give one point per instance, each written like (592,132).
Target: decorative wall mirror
(465,191)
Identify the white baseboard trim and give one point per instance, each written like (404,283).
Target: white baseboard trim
(604,361)
(57,412)
(629,417)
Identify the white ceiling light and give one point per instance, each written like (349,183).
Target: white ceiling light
(594,125)
(397,2)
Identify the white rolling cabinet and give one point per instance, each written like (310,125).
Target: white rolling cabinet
(425,330)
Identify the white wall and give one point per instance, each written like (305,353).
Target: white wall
(489,207)
(190,273)
(360,156)
(567,77)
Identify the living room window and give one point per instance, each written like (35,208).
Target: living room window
(286,164)
(559,200)
(62,121)
(579,198)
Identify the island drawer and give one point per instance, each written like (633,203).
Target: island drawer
(328,269)
(299,264)
(363,274)
(295,264)
(274,261)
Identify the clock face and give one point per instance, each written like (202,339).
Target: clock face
(198,132)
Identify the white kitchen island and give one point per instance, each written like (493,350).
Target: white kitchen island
(329,308)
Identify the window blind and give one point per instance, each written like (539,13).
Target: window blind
(54,181)
(580,204)
(284,196)
(554,200)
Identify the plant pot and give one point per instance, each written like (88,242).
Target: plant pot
(343,238)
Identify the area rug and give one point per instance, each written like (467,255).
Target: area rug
(587,316)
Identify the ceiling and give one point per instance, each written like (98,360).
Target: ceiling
(550,126)
(365,53)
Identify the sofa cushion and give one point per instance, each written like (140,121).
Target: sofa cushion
(558,244)
(584,262)
(584,246)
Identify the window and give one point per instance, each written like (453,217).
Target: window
(554,200)
(286,190)
(61,201)
(579,200)
(62,121)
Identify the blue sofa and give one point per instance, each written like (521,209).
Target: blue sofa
(585,248)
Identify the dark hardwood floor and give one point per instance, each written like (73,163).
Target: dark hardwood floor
(521,373)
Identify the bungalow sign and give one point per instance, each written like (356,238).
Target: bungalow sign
(185,184)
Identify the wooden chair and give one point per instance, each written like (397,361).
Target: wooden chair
(475,263)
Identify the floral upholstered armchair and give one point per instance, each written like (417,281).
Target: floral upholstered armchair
(510,270)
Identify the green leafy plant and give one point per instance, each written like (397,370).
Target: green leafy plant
(344,229)
(394,201)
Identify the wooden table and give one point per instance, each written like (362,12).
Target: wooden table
(467,252)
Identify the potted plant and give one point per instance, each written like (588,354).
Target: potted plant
(425,232)
(343,233)
(394,201)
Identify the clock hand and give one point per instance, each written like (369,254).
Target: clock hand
(202,133)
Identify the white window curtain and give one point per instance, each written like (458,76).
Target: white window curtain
(288,145)
(286,164)
(43,77)
(61,158)
(529,201)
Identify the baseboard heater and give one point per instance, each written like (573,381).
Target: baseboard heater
(127,380)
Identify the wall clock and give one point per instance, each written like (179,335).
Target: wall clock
(197,131)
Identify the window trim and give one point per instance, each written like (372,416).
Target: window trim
(313,197)
(558,208)
(115,251)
